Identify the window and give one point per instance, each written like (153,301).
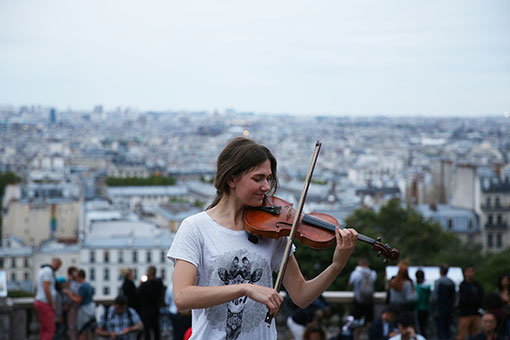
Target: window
(92,274)
(490,220)
(121,256)
(13,276)
(106,256)
(163,274)
(488,202)
(13,262)
(26,276)
(496,202)
(149,256)
(135,274)
(106,274)
(162,257)
(25,262)
(92,257)
(499,240)
(489,241)
(106,290)
(500,220)
(1,263)
(135,256)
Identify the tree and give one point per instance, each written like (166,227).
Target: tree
(7,178)
(423,242)
(139,181)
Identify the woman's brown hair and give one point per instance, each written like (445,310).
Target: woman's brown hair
(402,276)
(238,157)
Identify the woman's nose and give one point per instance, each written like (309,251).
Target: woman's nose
(266,186)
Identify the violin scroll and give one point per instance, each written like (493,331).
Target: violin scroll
(389,253)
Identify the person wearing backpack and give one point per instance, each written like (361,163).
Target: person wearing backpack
(362,281)
(119,321)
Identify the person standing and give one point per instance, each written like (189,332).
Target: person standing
(401,291)
(60,309)
(443,303)
(504,293)
(179,324)
(362,280)
(129,289)
(72,312)
(150,295)
(85,321)
(470,304)
(422,301)
(44,302)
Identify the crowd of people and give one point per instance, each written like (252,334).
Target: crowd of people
(66,309)
(414,309)
(441,311)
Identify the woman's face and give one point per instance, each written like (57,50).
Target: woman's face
(251,187)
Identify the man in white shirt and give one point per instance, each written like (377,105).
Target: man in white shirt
(44,302)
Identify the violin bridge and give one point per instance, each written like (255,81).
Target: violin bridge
(289,212)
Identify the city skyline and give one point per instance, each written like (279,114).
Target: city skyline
(351,58)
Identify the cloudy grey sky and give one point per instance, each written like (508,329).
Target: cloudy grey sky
(338,57)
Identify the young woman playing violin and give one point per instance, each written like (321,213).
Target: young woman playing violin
(220,275)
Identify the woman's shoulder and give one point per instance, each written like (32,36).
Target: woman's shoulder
(196,220)
(198,216)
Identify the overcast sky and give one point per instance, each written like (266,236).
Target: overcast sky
(359,57)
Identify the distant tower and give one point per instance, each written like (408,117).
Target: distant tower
(53,116)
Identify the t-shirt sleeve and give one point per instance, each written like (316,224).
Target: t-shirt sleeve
(47,275)
(352,277)
(82,291)
(279,250)
(186,245)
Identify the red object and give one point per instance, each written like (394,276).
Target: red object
(46,317)
(187,335)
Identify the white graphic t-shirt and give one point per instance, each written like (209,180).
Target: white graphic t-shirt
(225,257)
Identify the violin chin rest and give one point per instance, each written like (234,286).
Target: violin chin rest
(253,238)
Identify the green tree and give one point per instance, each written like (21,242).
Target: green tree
(139,181)
(7,178)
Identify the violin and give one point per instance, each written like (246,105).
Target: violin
(317,230)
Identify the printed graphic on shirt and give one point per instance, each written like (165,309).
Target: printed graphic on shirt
(236,268)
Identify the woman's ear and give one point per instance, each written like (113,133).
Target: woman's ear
(232,182)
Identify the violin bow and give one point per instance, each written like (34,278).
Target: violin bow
(292,233)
